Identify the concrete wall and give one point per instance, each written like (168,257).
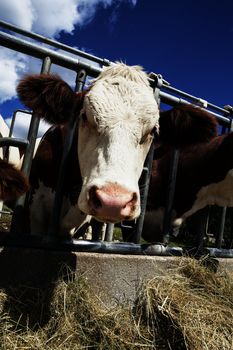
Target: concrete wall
(115,277)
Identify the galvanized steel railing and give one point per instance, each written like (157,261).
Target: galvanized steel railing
(82,63)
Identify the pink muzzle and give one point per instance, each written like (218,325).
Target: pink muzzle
(112,203)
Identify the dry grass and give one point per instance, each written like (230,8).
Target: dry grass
(5,222)
(78,319)
(188,308)
(194,301)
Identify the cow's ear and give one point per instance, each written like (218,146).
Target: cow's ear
(13,182)
(49,96)
(186,125)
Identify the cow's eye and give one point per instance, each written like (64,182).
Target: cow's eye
(155,134)
(153,131)
(148,136)
(145,138)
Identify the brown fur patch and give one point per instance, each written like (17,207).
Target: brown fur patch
(13,182)
(50,97)
(186,125)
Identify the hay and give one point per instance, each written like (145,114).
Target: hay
(78,320)
(188,308)
(193,304)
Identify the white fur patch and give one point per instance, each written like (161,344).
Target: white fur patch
(41,209)
(220,193)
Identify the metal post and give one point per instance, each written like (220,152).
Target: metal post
(109,233)
(170,195)
(17,225)
(200,223)
(132,230)
(219,238)
(144,184)
(146,174)
(56,212)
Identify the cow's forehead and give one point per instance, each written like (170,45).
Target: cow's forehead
(130,73)
(121,99)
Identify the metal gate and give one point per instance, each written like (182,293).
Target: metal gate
(86,65)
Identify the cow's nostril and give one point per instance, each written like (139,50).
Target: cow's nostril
(135,197)
(94,198)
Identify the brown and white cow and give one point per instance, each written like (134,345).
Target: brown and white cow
(117,115)
(205,168)
(12,182)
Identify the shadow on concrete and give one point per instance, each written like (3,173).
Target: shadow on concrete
(28,278)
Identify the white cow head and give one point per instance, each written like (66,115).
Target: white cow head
(117,121)
(118,117)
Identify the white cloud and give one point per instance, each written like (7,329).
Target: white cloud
(49,17)
(12,64)
(46,17)
(20,13)
(55,15)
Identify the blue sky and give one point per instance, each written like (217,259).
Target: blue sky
(188,42)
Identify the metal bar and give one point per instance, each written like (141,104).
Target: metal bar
(18,219)
(219,253)
(14,118)
(12,124)
(219,239)
(173,101)
(54,43)
(13,142)
(199,227)
(6,153)
(144,184)
(109,233)
(37,242)
(144,180)
(34,126)
(56,212)
(68,62)
(193,98)
(40,52)
(170,194)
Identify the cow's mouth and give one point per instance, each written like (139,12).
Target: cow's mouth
(108,220)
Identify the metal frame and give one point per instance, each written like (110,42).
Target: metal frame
(83,65)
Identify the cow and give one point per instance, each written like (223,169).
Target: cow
(13,183)
(118,116)
(205,168)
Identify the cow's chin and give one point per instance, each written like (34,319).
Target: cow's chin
(111,219)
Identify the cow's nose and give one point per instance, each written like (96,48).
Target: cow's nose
(112,203)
